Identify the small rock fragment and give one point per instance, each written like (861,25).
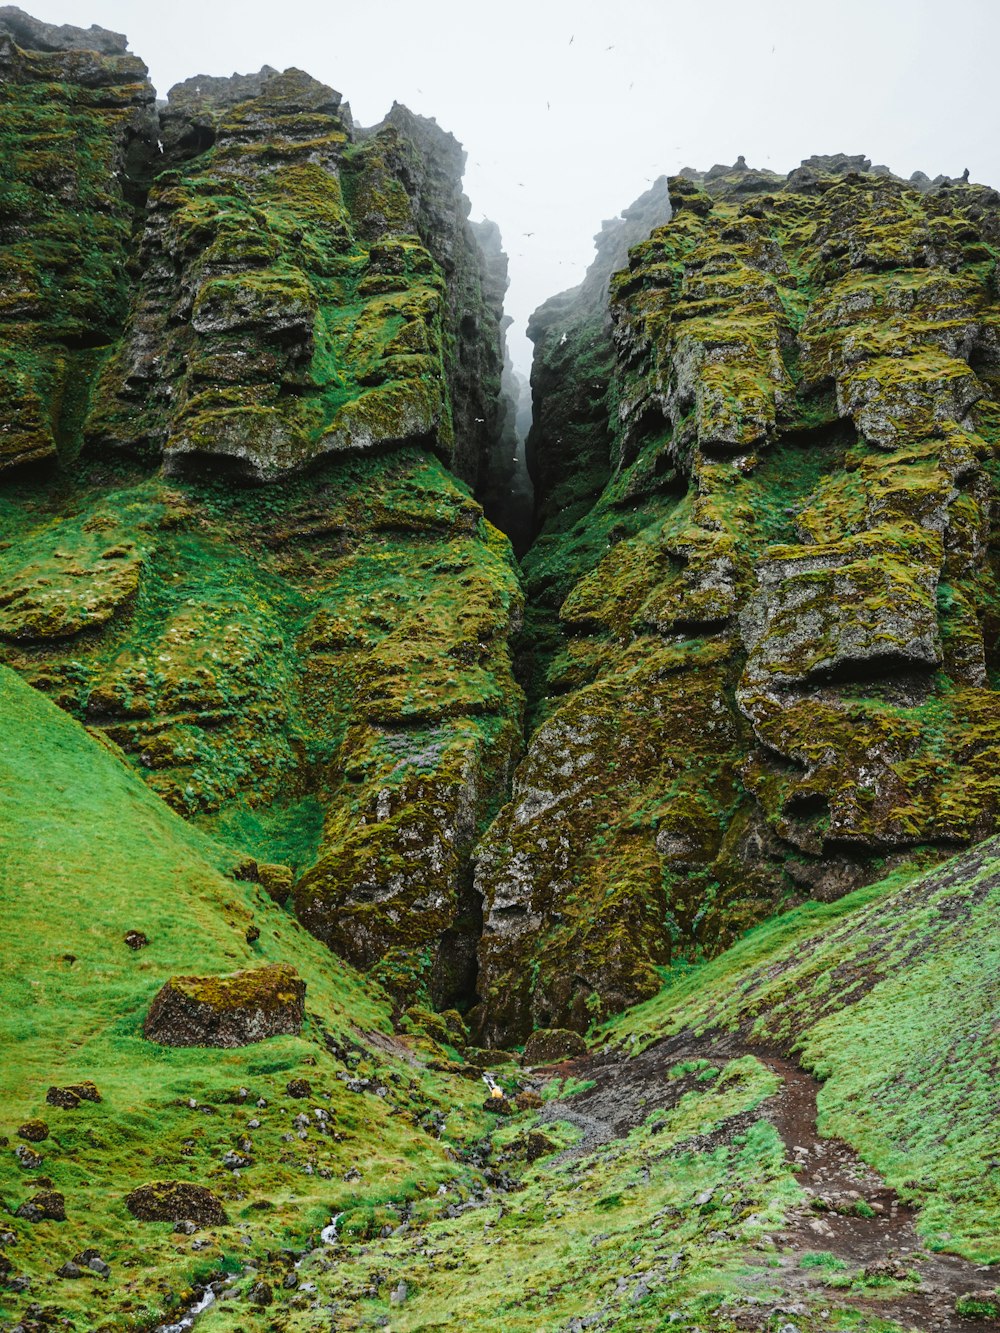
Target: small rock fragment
(27,1157)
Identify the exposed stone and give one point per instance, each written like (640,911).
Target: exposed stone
(47,1205)
(547,1045)
(233,1010)
(176,1201)
(70,1097)
(35,1131)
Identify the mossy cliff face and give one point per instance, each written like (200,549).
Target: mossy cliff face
(78,132)
(305,289)
(316,669)
(775,658)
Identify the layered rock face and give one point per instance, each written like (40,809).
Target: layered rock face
(316,669)
(251,402)
(774,669)
(304,290)
(78,129)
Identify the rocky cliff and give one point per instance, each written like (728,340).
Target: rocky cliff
(774,667)
(319,670)
(312,799)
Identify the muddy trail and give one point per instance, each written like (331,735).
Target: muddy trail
(851,1213)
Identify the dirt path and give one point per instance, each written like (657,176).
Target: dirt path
(835,1178)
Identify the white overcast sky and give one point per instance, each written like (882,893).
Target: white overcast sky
(561,133)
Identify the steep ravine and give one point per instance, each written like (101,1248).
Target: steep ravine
(348,747)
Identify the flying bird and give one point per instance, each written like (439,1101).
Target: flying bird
(571,40)
(610,48)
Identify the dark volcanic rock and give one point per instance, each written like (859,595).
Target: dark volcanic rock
(233,1010)
(762,634)
(70,1096)
(47,1205)
(33,1130)
(176,1201)
(59,296)
(34,35)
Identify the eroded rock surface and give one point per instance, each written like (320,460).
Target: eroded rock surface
(235,1010)
(764,660)
(251,288)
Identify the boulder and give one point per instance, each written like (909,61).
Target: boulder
(547,1045)
(176,1201)
(47,1205)
(70,1097)
(34,1131)
(233,1010)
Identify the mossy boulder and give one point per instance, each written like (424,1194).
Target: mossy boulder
(547,1045)
(234,1010)
(176,1201)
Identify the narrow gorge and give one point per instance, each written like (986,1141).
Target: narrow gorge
(358,751)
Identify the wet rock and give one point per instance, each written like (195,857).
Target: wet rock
(136,939)
(72,1270)
(35,1131)
(233,1010)
(176,1201)
(298,1087)
(47,1205)
(27,1158)
(186,1227)
(547,1045)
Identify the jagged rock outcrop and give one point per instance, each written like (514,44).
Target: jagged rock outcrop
(317,669)
(78,134)
(775,665)
(567,452)
(306,289)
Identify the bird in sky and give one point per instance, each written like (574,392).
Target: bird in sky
(610,48)
(571,40)
(527,233)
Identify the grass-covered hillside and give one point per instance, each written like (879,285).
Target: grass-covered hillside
(658,1180)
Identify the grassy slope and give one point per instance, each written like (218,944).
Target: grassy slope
(889,996)
(86,854)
